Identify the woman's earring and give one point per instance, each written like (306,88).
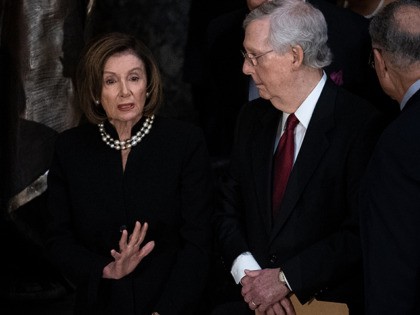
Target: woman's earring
(97,102)
(147,94)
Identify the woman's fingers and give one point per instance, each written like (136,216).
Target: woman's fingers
(135,240)
(139,234)
(142,235)
(123,240)
(146,249)
(116,255)
(132,240)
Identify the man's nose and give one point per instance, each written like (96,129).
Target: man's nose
(247,68)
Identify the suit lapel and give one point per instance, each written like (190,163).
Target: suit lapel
(314,146)
(262,153)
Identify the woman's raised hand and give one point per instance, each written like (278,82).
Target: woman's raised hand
(130,253)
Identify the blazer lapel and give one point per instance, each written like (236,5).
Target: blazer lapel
(314,146)
(262,154)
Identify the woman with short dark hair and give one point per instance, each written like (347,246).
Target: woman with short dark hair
(129,191)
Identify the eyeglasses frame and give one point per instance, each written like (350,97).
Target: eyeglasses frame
(252,58)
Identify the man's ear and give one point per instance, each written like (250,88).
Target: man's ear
(297,53)
(380,64)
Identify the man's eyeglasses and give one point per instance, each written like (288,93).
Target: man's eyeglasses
(253,59)
(371,61)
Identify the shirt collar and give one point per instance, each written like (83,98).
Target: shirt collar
(305,110)
(410,92)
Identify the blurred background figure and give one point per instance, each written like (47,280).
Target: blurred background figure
(208,98)
(39,45)
(366,8)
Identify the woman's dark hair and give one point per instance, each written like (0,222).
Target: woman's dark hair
(89,73)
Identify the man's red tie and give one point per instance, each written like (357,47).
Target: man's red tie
(283,162)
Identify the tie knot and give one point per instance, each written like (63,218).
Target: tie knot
(291,122)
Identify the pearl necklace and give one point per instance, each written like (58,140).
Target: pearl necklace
(126,144)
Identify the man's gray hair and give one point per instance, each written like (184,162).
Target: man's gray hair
(295,22)
(398,36)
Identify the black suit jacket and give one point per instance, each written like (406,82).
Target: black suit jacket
(315,238)
(390,217)
(225,87)
(166,183)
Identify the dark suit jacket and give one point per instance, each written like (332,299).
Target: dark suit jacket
(166,183)
(315,238)
(390,217)
(226,87)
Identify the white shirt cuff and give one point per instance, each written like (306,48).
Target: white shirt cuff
(287,282)
(242,262)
